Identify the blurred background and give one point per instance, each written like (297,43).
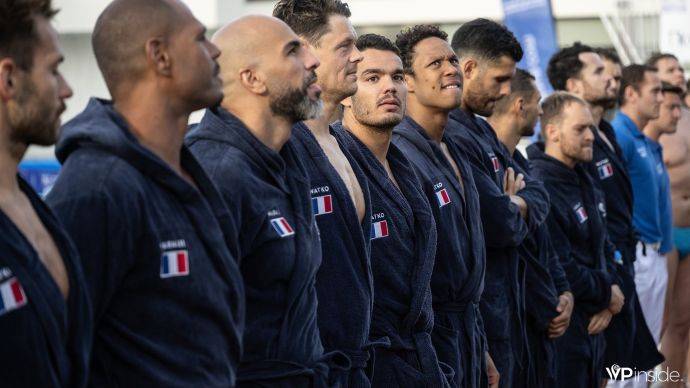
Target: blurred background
(633,28)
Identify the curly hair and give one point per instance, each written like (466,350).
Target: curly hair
(487,39)
(18,35)
(566,64)
(309,18)
(406,41)
(377,42)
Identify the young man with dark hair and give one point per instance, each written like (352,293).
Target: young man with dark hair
(549,303)
(628,341)
(339,191)
(148,223)
(640,98)
(403,234)
(511,203)
(269,85)
(577,229)
(434,89)
(45,314)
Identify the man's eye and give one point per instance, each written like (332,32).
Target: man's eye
(373,79)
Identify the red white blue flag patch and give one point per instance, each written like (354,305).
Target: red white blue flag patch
(12,296)
(605,169)
(442,197)
(379,229)
(322,205)
(174,263)
(581,213)
(282,227)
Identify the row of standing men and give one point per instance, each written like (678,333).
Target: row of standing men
(408,244)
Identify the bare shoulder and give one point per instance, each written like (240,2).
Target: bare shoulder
(677,145)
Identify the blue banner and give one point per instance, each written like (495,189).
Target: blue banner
(41,174)
(532,23)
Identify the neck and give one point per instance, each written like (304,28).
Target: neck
(652,132)
(432,120)
(11,154)
(555,152)
(634,115)
(271,130)
(319,125)
(597,113)
(377,140)
(158,125)
(506,131)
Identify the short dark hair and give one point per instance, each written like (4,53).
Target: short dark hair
(608,54)
(521,85)
(566,64)
(633,76)
(377,42)
(553,106)
(656,57)
(669,88)
(18,36)
(309,18)
(406,41)
(487,39)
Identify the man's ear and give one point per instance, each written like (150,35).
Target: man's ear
(253,81)
(630,94)
(9,72)
(469,68)
(347,102)
(574,86)
(552,133)
(157,56)
(409,79)
(518,105)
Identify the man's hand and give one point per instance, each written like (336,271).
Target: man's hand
(599,322)
(617,300)
(512,183)
(492,372)
(558,325)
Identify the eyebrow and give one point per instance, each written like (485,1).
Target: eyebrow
(346,42)
(290,45)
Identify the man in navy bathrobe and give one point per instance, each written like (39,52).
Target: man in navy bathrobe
(339,190)
(45,315)
(269,81)
(433,81)
(148,223)
(403,233)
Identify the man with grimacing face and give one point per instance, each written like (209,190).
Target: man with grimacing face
(269,83)
(580,69)
(512,203)
(339,192)
(148,223)
(45,314)
(403,230)
(640,99)
(576,224)
(548,297)
(434,89)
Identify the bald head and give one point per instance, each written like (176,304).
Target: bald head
(122,31)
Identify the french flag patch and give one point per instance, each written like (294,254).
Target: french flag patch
(379,229)
(442,197)
(281,226)
(12,296)
(174,263)
(322,205)
(581,214)
(496,163)
(605,169)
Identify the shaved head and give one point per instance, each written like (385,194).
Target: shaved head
(121,33)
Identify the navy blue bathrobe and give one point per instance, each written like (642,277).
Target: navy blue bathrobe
(344,283)
(545,281)
(46,338)
(629,342)
(403,246)
(502,304)
(578,232)
(267,194)
(167,294)
(458,278)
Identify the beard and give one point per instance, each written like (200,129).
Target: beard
(363,115)
(605,102)
(33,119)
(295,104)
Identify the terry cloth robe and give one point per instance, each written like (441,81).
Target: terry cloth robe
(578,232)
(344,283)
(458,277)
(45,338)
(502,303)
(545,281)
(629,343)
(267,194)
(403,245)
(167,294)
